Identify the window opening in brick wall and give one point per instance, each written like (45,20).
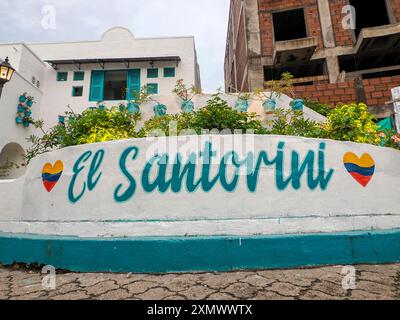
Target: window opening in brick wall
(312,68)
(370,14)
(289,25)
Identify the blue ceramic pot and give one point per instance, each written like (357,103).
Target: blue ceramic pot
(18,120)
(22,98)
(269,105)
(297,105)
(242,105)
(160,110)
(92,108)
(102,107)
(187,106)
(61,119)
(21,108)
(27,113)
(29,103)
(26,124)
(133,107)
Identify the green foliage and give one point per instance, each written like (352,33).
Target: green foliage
(168,125)
(277,87)
(217,114)
(321,108)
(293,123)
(185,93)
(352,122)
(390,139)
(89,127)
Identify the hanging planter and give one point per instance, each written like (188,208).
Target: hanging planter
(23,98)
(160,110)
(28,113)
(26,123)
(242,105)
(297,105)
(19,120)
(187,106)
(269,105)
(133,107)
(61,120)
(102,107)
(29,103)
(21,108)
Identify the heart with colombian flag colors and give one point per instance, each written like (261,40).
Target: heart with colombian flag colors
(361,169)
(52,174)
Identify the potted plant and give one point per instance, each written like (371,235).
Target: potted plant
(242,104)
(140,97)
(23,97)
(21,108)
(28,113)
(19,119)
(276,88)
(160,109)
(187,95)
(101,106)
(30,101)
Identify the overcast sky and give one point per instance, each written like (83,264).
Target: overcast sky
(21,21)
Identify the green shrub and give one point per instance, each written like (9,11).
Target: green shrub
(293,123)
(352,122)
(321,108)
(170,124)
(217,114)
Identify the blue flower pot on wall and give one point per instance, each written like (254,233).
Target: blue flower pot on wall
(18,120)
(29,103)
(61,119)
(27,113)
(26,124)
(160,110)
(22,98)
(269,105)
(133,107)
(242,105)
(102,107)
(21,108)
(187,106)
(297,105)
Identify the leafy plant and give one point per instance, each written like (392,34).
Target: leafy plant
(293,123)
(185,93)
(217,114)
(352,122)
(321,108)
(277,87)
(167,125)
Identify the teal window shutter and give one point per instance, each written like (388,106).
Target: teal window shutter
(62,76)
(152,88)
(133,84)
(169,72)
(97,86)
(152,73)
(79,76)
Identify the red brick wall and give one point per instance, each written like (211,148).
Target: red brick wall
(266,7)
(342,36)
(241,54)
(377,91)
(330,93)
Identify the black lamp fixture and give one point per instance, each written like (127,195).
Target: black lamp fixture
(6,73)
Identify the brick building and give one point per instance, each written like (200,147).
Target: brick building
(331,61)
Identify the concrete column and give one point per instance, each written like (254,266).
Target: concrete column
(255,71)
(326,23)
(332,64)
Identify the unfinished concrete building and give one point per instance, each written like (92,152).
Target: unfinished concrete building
(334,57)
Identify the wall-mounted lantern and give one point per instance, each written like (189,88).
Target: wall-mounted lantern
(6,73)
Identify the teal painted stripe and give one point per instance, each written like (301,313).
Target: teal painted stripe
(182,254)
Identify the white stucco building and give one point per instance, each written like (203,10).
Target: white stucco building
(79,74)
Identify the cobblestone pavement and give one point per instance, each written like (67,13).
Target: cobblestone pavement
(373,282)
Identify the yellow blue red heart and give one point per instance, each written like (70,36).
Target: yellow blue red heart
(361,169)
(52,174)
